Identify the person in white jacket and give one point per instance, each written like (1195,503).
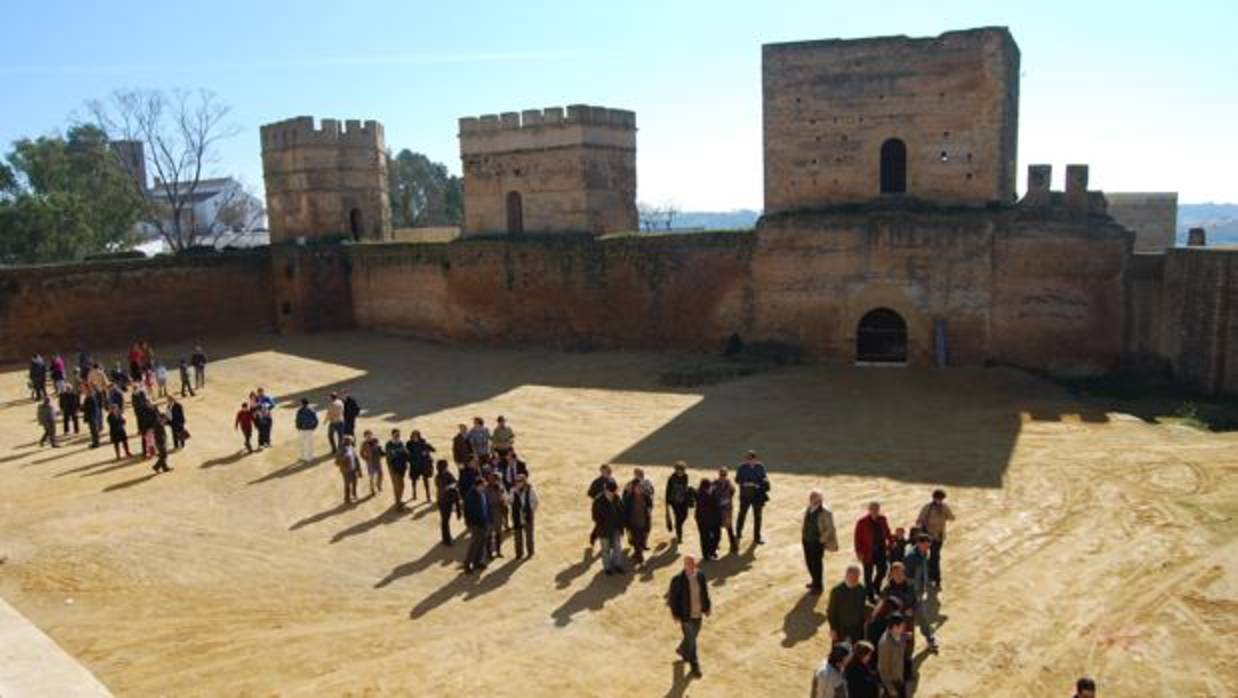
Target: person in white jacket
(524,507)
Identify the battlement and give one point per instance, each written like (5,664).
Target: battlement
(1077,198)
(301,131)
(575,114)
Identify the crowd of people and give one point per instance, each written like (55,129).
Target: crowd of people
(873,612)
(87,393)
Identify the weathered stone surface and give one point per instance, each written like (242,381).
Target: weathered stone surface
(329,181)
(572,172)
(107,304)
(830,105)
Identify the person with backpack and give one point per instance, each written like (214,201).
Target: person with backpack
(306,423)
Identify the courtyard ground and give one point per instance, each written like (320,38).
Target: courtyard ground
(1088,542)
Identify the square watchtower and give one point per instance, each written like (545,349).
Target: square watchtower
(549,171)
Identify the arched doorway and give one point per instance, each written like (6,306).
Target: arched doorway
(893,167)
(354,224)
(515,213)
(881,338)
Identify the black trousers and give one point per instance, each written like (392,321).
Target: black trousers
(874,574)
(444,519)
(680,512)
(70,417)
(178,437)
(476,557)
(94,431)
(814,557)
(710,537)
(744,506)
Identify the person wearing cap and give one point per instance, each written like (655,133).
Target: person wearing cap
(503,439)
(688,598)
(892,655)
(818,536)
(861,677)
(932,520)
(848,608)
(679,499)
(753,484)
(828,681)
(1085,688)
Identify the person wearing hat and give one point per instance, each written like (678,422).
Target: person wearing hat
(829,681)
(753,484)
(932,520)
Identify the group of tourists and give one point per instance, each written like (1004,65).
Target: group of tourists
(88,393)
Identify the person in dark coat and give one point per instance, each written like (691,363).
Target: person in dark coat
(637,517)
(176,420)
(524,511)
(708,519)
(461,451)
(47,419)
(688,598)
(680,497)
(198,359)
(116,431)
(596,488)
(397,466)
(447,495)
(421,463)
(159,424)
(608,527)
(70,406)
(872,542)
(351,411)
(860,675)
(477,519)
(92,412)
(186,383)
(38,377)
(753,485)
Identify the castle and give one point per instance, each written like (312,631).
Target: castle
(893,233)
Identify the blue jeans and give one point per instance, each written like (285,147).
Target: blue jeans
(335,435)
(612,551)
(687,647)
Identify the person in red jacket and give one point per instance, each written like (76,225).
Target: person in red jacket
(872,538)
(245,422)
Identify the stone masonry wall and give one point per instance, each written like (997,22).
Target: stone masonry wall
(1153,216)
(106,304)
(830,105)
(1200,308)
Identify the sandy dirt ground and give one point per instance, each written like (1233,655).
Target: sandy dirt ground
(1087,542)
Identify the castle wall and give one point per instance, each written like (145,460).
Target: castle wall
(1145,314)
(1153,216)
(310,287)
(329,181)
(108,304)
(830,105)
(678,292)
(1199,305)
(574,171)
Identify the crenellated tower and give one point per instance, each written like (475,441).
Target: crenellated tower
(550,171)
(326,181)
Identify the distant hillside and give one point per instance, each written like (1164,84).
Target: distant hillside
(1220,220)
(716,220)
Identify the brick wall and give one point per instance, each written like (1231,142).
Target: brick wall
(1200,309)
(107,304)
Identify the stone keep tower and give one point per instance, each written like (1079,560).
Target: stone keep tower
(544,171)
(326,182)
(851,121)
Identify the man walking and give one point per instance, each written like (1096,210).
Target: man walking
(70,405)
(848,610)
(46,414)
(461,451)
(245,423)
(872,540)
(932,520)
(306,423)
(159,426)
(892,657)
(688,598)
(335,421)
(524,506)
(818,536)
(479,440)
(679,499)
(186,384)
(637,516)
(397,466)
(608,526)
(828,681)
(476,518)
(916,566)
(503,439)
(753,484)
(92,412)
(596,488)
(199,367)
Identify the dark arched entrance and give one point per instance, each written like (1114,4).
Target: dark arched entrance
(354,224)
(515,213)
(893,167)
(881,338)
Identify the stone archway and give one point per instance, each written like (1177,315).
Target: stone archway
(881,338)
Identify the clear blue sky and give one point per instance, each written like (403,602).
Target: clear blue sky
(1148,97)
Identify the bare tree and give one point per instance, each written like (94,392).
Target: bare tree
(655,217)
(179,131)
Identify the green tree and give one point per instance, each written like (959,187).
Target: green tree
(63,197)
(422,192)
